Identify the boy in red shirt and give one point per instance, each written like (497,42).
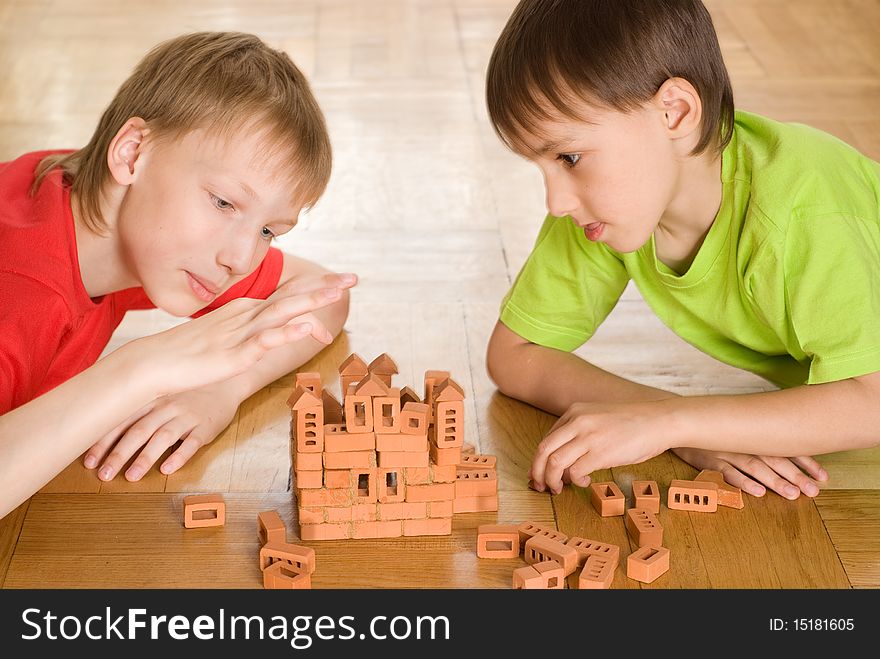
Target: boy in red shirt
(209,150)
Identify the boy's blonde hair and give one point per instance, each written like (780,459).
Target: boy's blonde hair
(616,54)
(219,81)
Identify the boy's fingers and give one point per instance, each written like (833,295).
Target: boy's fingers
(188,448)
(162,439)
(282,310)
(581,469)
(547,446)
(99,449)
(304,285)
(134,438)
(811,467)
(565,457)
(790,472)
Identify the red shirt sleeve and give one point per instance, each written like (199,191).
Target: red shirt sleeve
(260,284)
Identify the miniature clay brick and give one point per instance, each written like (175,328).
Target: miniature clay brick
(448,425)
(528,578)
(444,473)
(336,515)
(282,576)
(728,495)
(402,510)
(337,478)
(475,461)
(414,419)
(344,442)
(358,413)
(403,459)
(271,527)
(497,541)
(444,456)
(698,496)
(362,530)
(390,485)
(598,573)
(309,479)
(386,414)
(433,492)
(647,563)
(607,499)
(646,495)
(432,378)
(552,573)
(308,461)
(476,484)
(408,395)
(325,531)
(541,548)
(436,526)
(310,515)
(440,509)
(201,510)
(365,486)
(530,529)
(333,412)
(476,504)
(310,381)
(325,497)
(587,548)
(644,527)
(389,529)
(404,443)
(349,460)
(301,558)
(364,512)
(417,475)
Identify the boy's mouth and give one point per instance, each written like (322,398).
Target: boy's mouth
(203,290)
(594,230)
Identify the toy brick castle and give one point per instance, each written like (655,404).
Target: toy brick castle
(384,462)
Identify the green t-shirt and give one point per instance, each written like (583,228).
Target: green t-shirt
(786,283)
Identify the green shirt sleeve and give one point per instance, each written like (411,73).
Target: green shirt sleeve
(832,288)
(566,288)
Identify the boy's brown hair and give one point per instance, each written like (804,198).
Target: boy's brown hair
(615,54)
(219,81)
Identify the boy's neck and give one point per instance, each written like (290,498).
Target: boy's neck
(688,218)
(101,264)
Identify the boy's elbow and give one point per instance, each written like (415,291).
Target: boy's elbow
(498,361)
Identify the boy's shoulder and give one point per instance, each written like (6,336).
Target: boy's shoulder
(793,170)
(37,237)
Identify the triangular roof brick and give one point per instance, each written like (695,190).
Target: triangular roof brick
(302,398)
(447,390)
(383,365)
(353,365)
(371,385)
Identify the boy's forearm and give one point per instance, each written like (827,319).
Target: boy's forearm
(40,438)
(553,380)
(802,421)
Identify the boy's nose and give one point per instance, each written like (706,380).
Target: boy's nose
(237,255)
(561,199)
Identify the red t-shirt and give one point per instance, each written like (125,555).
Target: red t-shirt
(50,329)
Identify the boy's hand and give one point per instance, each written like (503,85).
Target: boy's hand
(788,477)
(591,436)
(229,340)
(195,416)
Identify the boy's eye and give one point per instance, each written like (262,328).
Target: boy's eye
(222,204)
(569,159)
(266,233)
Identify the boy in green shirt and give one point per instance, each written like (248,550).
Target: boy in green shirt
(758,242)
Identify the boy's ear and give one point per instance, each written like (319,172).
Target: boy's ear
(681,107)
(125,147)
